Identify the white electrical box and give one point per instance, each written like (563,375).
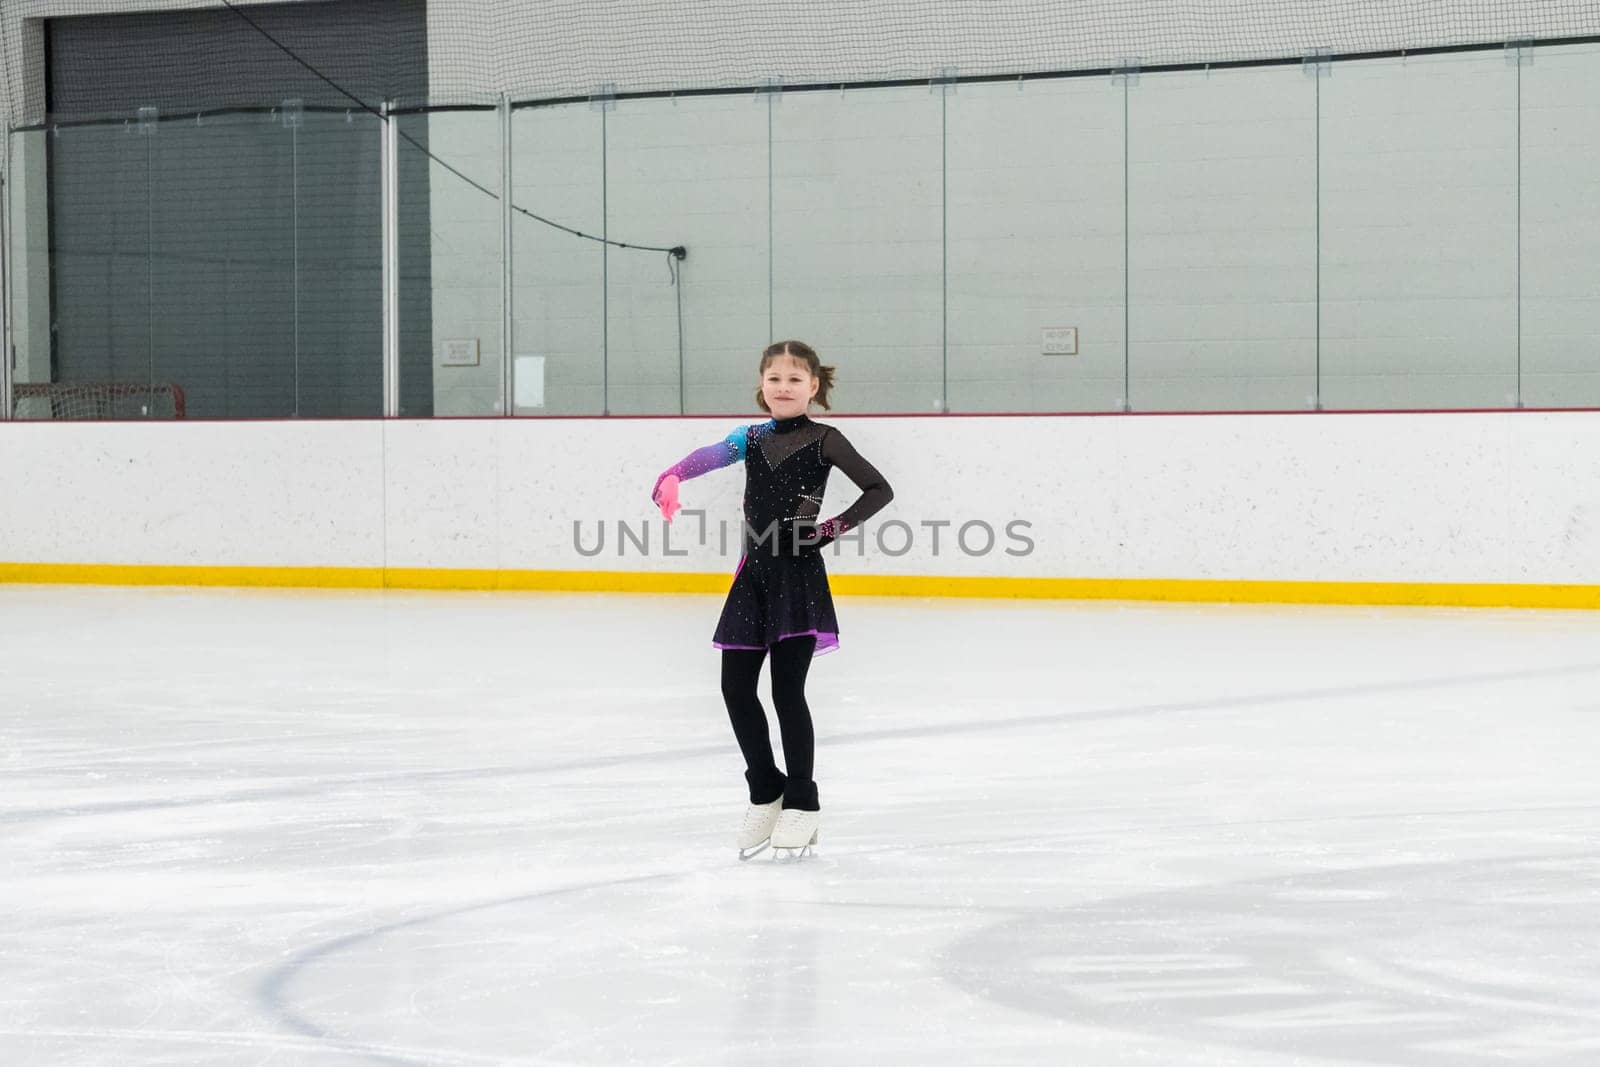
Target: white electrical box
(1060,341)
(462,353)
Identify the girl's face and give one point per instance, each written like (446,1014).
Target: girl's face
(787,385)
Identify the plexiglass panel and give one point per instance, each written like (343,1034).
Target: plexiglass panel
(451,250)
(858,241)
(1035,227)
(1561,227)
(230,260)
(28,269)
(1419,233)
(690,172)
(1222,241)
(558,309)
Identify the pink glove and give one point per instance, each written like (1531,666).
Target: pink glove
(666,496)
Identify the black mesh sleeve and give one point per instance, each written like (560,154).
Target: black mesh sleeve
(875,490)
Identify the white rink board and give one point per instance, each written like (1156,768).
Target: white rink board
(268,494)
(1476,498)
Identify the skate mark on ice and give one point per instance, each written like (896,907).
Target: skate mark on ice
(1456,964)
(273,992)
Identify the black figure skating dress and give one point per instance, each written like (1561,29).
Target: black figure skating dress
(780,588)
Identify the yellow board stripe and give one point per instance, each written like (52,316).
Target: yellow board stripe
(151,574)
(1435,594)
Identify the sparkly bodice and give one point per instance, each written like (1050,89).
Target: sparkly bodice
(786,465)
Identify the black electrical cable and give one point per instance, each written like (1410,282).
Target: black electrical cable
(676,252)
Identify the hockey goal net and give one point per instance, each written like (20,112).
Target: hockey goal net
(97,400)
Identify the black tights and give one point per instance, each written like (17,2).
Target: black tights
(741,668)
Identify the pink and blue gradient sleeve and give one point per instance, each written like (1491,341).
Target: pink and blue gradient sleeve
(726,452)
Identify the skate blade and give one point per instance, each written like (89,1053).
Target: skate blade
(786,854)
(752,853)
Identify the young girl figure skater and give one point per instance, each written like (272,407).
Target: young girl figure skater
(780,604)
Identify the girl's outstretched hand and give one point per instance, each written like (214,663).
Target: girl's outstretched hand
(666,495)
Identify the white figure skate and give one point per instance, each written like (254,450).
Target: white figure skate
(796,833)
(756,833)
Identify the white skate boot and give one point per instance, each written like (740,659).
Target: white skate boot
(796,832)
(756,833)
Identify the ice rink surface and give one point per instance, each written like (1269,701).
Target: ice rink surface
(243,827)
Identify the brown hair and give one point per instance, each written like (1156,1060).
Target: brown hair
(801,351)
